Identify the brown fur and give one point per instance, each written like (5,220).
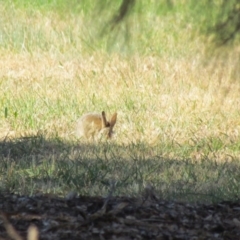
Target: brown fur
(92,125)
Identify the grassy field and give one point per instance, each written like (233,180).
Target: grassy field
(178,104)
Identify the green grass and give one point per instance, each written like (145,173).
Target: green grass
(178,107)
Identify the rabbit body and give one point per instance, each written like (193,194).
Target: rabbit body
(94,126)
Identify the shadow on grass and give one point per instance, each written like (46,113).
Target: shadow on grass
(31,165)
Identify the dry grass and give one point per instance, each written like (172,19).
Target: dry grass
(158,100)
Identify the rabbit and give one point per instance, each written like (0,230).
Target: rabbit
(93,126)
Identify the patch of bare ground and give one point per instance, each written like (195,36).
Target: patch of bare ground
(146,217)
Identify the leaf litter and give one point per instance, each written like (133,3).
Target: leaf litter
(144,217)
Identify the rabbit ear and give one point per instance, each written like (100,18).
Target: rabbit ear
(113,120)
(112,123)
(104,120)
